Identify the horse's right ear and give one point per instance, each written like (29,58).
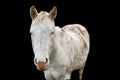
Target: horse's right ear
(33,12)
(53,13)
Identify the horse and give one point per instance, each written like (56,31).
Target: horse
(57,51)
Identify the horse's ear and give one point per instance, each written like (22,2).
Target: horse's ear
(53,13)
(33,12)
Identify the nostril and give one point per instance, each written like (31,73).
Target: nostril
(46,60)
(35,60)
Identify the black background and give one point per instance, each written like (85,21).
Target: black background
(94,15)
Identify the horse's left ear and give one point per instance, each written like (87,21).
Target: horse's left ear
(33,12)
(53,13)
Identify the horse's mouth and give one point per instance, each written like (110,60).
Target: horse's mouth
(41,66)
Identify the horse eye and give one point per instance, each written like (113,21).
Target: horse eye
(52,33)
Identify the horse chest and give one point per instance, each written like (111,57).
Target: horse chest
(55,72)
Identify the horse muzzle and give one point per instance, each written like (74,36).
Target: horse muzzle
(41,66)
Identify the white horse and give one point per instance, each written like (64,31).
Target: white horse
(58,51)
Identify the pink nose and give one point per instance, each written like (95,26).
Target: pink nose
(41,65)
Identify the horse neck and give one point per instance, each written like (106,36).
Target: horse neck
(56,45)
